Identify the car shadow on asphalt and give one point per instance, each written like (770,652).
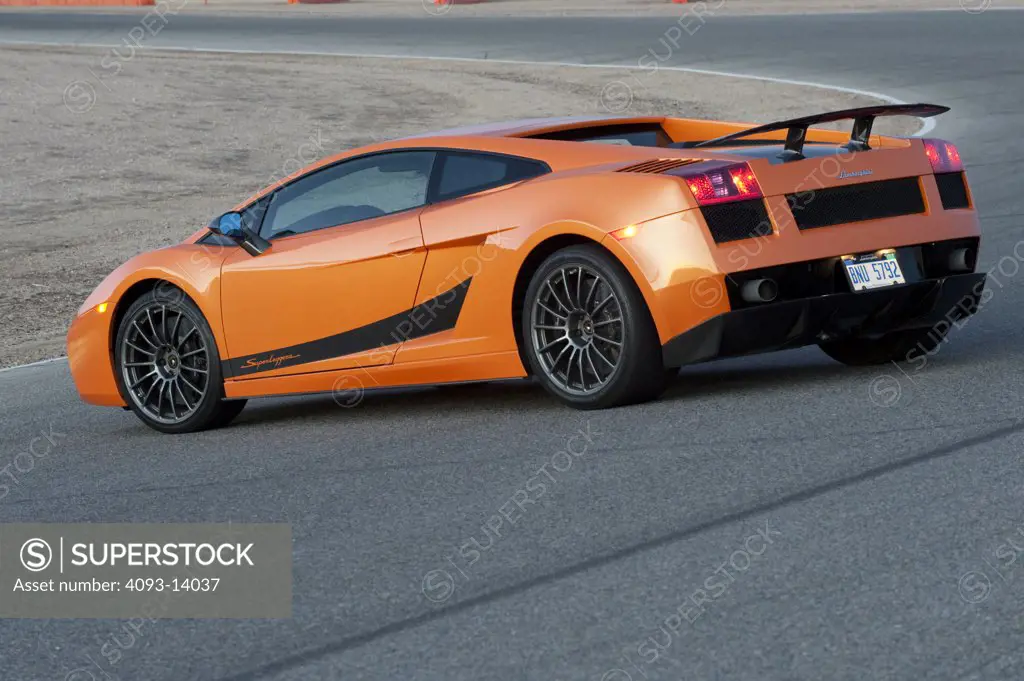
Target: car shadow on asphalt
(747,375)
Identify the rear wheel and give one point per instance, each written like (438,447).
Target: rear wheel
(587,331)
(168,367)
(898,346)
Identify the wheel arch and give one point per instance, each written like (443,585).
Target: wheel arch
(199,284)
(135,291)
(130,295)
(533,260)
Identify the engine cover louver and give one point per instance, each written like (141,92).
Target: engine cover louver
(657,165)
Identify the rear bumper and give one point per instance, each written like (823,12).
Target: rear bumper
(795,323)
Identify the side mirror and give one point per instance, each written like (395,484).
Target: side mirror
(230,225)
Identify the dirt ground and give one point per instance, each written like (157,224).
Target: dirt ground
(98,167)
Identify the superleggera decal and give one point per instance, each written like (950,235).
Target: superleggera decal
(275,360)
(429,317)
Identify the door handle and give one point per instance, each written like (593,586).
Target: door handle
(404,247)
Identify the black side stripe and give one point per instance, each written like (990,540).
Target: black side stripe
(432,316)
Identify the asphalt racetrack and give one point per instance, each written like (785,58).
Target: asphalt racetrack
(851,523)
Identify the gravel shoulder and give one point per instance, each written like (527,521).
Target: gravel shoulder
(100,166)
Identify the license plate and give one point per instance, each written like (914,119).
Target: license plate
(873,271)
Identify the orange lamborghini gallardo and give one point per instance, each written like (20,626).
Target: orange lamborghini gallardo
(598,255)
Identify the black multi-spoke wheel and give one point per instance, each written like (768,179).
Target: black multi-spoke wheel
(168,365)
(588,334)
(165,363)
(577,329)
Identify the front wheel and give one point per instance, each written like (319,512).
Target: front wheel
(588,333)
(168,367)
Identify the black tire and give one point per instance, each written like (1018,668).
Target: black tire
(621,358)
(898,346)
(164,350)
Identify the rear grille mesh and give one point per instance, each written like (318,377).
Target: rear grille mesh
(737,220)
(658,165)
(856,203)
(952,190)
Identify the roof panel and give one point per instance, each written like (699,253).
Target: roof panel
(525,126)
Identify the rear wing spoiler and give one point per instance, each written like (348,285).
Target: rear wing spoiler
(796,128)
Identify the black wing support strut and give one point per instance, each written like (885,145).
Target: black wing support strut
(796,128)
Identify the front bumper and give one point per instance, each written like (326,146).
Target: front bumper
(89,358)
(795,323)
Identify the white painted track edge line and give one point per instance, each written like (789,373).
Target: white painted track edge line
(33,364)
(928,124)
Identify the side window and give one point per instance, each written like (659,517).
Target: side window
(350,191)
(466,173)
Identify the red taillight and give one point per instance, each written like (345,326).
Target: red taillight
(729,183)
(954,156)
(943,156)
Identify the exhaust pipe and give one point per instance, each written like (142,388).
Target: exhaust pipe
(759,291)
(963,260)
